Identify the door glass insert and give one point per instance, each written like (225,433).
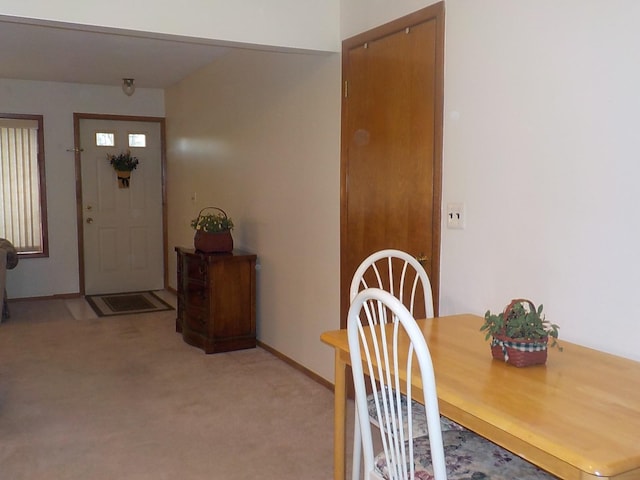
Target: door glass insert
(137,140)
(104,139)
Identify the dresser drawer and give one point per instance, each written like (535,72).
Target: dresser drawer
(197,269)
(196,294)
(196,319)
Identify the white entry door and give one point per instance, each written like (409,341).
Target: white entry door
(123,242)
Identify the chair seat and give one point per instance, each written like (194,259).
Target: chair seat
(468,456)
(419,419)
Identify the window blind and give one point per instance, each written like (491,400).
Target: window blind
(20,216)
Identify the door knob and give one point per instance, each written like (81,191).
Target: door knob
(422,259)
(89,220)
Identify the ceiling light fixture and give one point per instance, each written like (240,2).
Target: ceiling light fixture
(128,86)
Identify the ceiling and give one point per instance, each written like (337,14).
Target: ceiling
(79,54)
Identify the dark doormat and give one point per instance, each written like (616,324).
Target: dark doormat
(126,303)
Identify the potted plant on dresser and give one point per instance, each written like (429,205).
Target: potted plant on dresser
(213,231)
(520,333)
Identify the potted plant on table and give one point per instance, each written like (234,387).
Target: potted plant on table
(123,164)
(213,231)
(520,334)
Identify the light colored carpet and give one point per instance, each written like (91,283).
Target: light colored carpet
(126,398)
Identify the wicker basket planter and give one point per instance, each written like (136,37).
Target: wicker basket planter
(213,231)
(523,342)
(519,352)
(213,242)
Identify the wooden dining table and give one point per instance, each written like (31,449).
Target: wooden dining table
(577,416)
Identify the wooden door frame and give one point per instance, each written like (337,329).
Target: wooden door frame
(77,117)
(435,13)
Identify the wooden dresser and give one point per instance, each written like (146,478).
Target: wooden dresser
(217,299)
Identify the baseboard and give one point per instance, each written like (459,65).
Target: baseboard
(64,296)
(58,296)
(301,368)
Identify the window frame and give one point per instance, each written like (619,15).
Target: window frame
(41,182)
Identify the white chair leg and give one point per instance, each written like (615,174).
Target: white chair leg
(357,450)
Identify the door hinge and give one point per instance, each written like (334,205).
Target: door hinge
(346,89)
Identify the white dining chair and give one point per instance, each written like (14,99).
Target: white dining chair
(390,354)
(401,275)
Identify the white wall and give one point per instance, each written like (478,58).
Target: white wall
(541,144)
(257,134)
(57,102)
(357,16)
(306,24)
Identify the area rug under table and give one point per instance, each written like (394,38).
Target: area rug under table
(126,303)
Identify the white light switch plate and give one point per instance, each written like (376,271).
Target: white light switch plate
(455,215)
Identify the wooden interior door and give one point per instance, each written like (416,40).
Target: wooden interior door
(391,167)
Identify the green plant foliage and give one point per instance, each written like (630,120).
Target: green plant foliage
(522,323)
(212,223)
(123,162)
